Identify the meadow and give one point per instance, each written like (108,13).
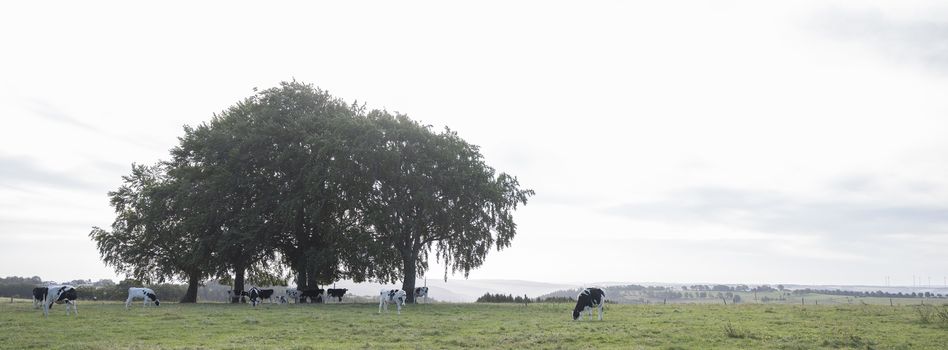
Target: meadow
(107,325)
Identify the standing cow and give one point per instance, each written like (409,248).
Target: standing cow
(313,295)
(588,299)
(145,294)
(421,292)
(257,295)
(396,296)
(293,294)
(337,293)
(58,295)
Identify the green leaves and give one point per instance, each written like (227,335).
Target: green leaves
(293,177)
(435,191)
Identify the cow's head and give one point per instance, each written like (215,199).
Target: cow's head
(576,314)
(153,297)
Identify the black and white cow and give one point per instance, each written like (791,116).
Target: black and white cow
(588,299)
(421,292)
(337,293)
(58,295)
(257,295)
(392,296)
(38,294)
(293,294)
(313,295)
(145,294)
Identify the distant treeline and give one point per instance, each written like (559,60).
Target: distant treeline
(509,298)
(501,298)
(638,294)
(726,288)
(106,289)
(878,293)
(22,287)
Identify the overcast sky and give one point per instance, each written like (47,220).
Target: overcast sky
(709,141)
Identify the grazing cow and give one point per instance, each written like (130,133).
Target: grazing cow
(421,292)
(60,294)
(38,294)
(313,295)
(293,294)
(396,296)
(336,293)
(587,300)
(145,294)
(257,295)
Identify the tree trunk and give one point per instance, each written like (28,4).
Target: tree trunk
(190,296)
(302,278)
(312,277)
(238,286)
(408,284)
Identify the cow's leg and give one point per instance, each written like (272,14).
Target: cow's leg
(380,305)
(128,302)
(45,307)
(399,305)
(600,311)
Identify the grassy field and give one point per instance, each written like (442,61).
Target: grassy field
(547,326)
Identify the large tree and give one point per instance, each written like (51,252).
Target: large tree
(295,177)
(285,172)
(434,193)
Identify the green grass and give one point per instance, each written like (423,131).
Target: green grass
(481,326)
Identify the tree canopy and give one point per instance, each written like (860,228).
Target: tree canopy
(292,183)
